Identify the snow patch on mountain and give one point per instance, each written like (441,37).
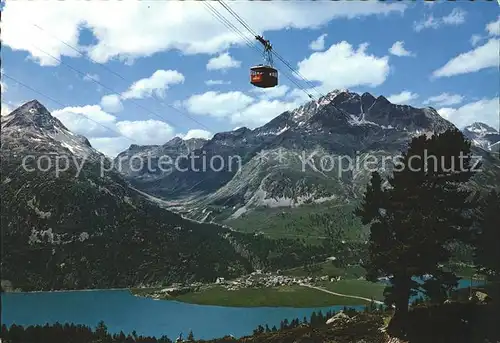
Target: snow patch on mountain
(482,136)
(32,127)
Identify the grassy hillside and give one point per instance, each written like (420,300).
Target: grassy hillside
(306,222)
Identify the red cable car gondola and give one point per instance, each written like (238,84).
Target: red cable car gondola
(264,76)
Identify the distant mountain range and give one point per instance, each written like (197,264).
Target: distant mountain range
(272,174)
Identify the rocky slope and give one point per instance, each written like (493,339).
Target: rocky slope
(130,161)
(483,136)
(318,152)
(83,226)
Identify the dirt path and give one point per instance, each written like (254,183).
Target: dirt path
(342,295)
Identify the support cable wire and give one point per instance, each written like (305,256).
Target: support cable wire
(217,15)
(242,22)
(245,25)
(118,75)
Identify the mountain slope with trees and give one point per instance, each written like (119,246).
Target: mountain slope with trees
(77,229)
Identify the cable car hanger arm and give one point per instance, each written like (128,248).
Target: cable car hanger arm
(266,43)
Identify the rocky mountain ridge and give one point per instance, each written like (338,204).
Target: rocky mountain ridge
(32,126)
(274,167)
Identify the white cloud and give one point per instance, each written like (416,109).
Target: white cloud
(319,43)
(456,17)
(108,135)
(403,98)
(261,112)
(111,146)
(197,133)
(398,49)
(111,103)
(217,82)
(91,77)
(156,84)
(89,120)
(217,104)
(242,109)
(482,57)
(270,93)
(222,62)
(5,109)
(444,99)
(341,66)
(484,110)
(299,95)
(475,39)
(3,85)
(146,131)
(143,29)
(493,28)
(428,23)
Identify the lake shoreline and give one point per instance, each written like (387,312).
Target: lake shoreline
(69,290)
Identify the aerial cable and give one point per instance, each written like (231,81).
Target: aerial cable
(250,43)
(260,39)
(117,74)
(217,15)
(297,73)
(242,22)
(245,25)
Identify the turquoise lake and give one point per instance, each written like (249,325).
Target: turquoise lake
(121,311)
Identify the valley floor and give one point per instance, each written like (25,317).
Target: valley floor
(350,289)
(320,294)
(285,296)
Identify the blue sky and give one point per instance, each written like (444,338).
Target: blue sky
(138,61)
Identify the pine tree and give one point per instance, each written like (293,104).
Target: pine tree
(314,319)
(487,252)
(414,219)
(321,318)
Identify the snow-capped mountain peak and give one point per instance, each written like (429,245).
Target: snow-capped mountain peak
(481,129)
(31,127)
(482,135)
(329,97)
(33,115)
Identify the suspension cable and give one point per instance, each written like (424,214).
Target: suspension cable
(116,74)
(245,25)
(217,15)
